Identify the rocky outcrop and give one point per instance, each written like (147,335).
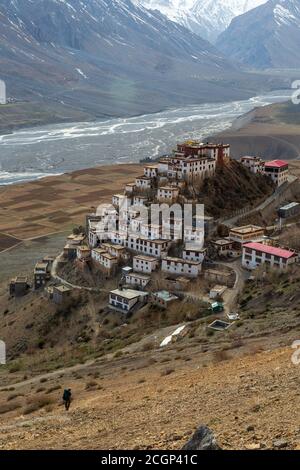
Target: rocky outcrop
(203,439)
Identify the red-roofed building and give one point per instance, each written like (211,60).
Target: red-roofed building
(255,254)
(278,170)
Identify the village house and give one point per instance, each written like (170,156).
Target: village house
(140,200)
(194,253)
(49,260)
(18,286)
(151,231)
(163,166)
(118,199)
(117,251)
(83,253)
(60,294)
(163,299)
(254,164)
(193,235)
(157,248)
(130,188)
(70,251)
(137,279)
(167,194)
(217,291)
(289,210)
(246,234)
(145,264)
(215,275)
(143,182)
(277,170)
(180,266)
(256,254)
(74,239)
(104,260)
(41,275)
(223,246)
(179,283)
(126,299)
(151,171)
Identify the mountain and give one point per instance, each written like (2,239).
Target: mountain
(207,18)
(266,37)
(107,57)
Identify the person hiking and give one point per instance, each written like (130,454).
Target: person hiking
(67,398)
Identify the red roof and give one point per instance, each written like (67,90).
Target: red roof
(276,164)
(272,250)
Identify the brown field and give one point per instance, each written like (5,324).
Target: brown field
(7,242)
(56,204)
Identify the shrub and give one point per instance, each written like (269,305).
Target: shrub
(16,367)
(53,389)
(167,371)
(221,356)
(36,403)
(8,407)
(91,384)
(14,396)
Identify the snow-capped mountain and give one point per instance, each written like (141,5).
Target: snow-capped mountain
(207,18)
(268,36)
(107,54)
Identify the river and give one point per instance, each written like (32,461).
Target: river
(54,149)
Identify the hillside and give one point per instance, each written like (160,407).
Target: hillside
(249,366)
(272,131)
(232,188)
(258,409)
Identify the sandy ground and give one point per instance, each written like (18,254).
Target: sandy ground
(137,403)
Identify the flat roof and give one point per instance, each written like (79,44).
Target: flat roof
(247,229)
(168,188)
(219,288)
(222,241)
(181,260)
(271,250)
(195,248)
(138,275)
(41,266)
(62,288)
(290,206)
(145,258)
(108,256)
(19,279)
(249,157)
(165,295)
(128,293)
(116,247)
(99,250)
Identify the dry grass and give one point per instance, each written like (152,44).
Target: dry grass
(36,403)
(9,407)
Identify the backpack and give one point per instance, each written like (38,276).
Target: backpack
(66,395)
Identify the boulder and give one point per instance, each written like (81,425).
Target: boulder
(203,439)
